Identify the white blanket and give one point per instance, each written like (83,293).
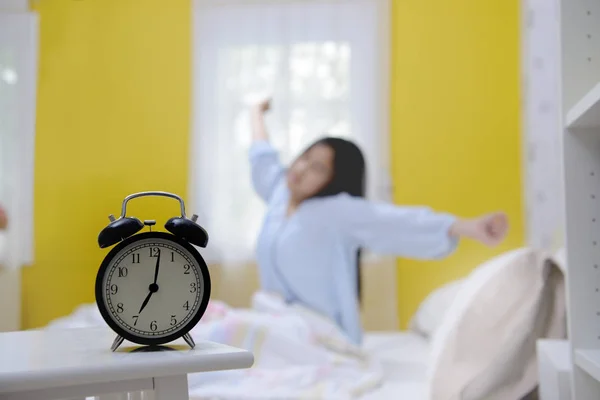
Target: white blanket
(298,354)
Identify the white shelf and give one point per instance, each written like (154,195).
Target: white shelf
(586,112)
(589,361)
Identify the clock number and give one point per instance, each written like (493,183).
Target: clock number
(186,267)
(187,306)
(114,289)
(153,326)
(193,287)
(123,272)
(135,319)
(120,308)
(154,251)
(172,256)
(136,258)
(173,320)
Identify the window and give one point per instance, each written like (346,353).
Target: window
(18,77)
(323,65)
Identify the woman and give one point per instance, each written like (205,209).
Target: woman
(317,222)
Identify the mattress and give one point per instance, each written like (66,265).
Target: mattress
(404,356)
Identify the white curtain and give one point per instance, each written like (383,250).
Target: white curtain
(324,64)
(18,81)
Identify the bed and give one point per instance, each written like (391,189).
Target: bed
(404,356)
(461,324)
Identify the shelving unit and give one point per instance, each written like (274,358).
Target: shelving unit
(586,113)
(588,361)
(580,143)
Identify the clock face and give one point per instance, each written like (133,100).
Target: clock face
(152,288)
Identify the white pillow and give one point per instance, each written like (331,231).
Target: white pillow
(485,347)
(431,311)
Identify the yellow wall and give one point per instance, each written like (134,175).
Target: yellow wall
(113,118)
(455,124)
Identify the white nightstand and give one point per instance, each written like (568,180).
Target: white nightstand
(554,369)
(75,363)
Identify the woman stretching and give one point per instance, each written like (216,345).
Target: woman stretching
(317,221)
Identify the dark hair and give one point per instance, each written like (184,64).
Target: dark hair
(349,176)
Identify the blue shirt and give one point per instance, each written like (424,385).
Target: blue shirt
(310,256)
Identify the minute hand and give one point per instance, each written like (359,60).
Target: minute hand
(157,266)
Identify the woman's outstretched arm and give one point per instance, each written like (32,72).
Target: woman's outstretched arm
(266,169)
(413,232)
(257,116)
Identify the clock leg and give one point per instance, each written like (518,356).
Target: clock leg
(117,343)
(189,340)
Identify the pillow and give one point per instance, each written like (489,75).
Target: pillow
(431,311)
(485,346)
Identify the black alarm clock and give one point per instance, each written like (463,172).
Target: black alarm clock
(153,287)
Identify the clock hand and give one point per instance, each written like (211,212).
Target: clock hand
(157,265)
(145,302)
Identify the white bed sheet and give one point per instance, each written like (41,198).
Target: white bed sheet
(404,356)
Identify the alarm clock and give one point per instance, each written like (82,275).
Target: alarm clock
(152,287)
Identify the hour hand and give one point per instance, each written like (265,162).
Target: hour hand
(146,300)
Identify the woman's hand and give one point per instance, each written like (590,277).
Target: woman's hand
(3,219)
(262,107)
(490,229)
(259,129)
